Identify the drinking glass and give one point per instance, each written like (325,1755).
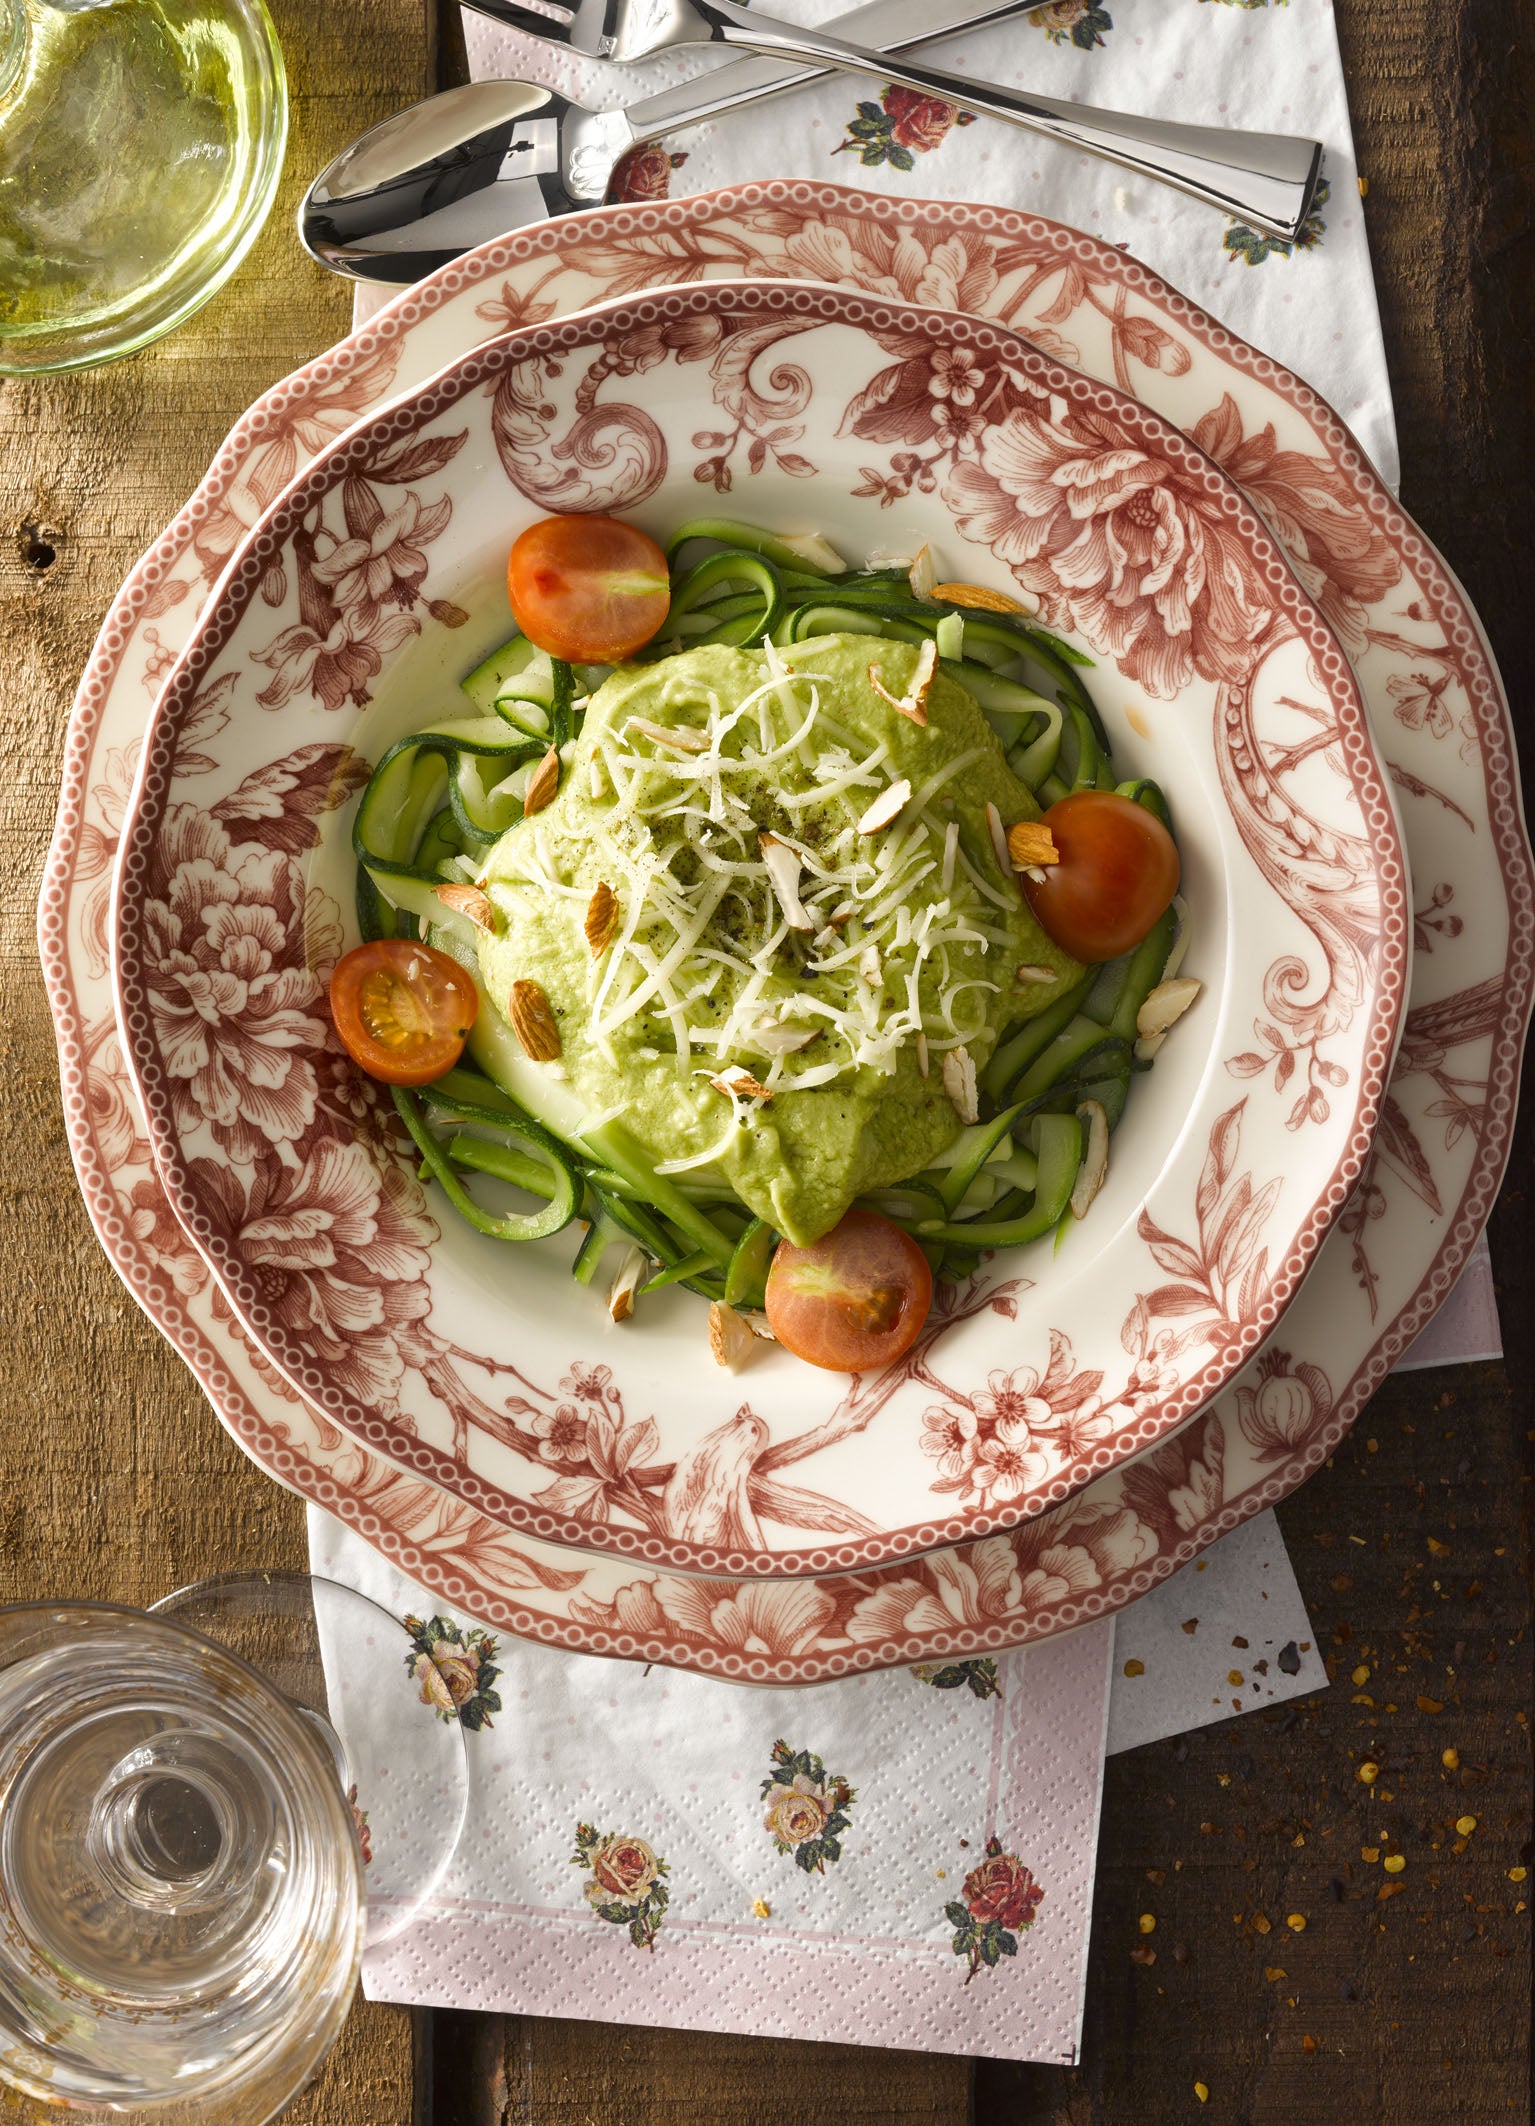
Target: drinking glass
(140,147)
(183,1846)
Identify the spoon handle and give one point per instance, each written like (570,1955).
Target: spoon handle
(1267,179)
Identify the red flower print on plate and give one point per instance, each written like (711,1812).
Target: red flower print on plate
(1116,543)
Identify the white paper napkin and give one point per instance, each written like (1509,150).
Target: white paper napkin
(617,1862)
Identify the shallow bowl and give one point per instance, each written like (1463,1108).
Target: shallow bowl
(848,414)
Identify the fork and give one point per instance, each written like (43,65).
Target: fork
(1264,178)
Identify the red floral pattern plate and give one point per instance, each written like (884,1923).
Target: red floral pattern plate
(339,616)
(1431,689)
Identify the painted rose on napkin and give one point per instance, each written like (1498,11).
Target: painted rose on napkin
(901,126)
(626,1887)
(999,1901)
(453,1671)
(807,1808)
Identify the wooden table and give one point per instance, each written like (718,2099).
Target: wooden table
(116,1482)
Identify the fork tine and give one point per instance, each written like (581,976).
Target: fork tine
(545,19)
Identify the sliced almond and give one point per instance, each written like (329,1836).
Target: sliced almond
(469,901)
(624,1286)
(730,1336)
(842,914)
(869,966)
(601,918)
(681,737)
(739,1083)
(902,708)
(922,1053)
(1095,1159)
(1166,1004)
(776,1039)
(1147,1046)
(999,846)
(1032,973)
(976,594)
(1031,845)
(533,1022)
(783,869)
(886,807)
(923,574)
(814,551)
(913,702)
(959,1084)
(542,783)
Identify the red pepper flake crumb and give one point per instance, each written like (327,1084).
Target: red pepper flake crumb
(1235,1676)
(1262,1923)
(1430,1705)
(1239,1641)
(1190,1625)
(1274,1972)
(1143,1954)
(1156,1875)
(1438,1549)
(1388,1889)
(1308,2043)
(1180,1952)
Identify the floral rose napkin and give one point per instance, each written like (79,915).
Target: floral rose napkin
(899,1859)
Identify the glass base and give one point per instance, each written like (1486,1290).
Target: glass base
(181,1889)
(407,1777)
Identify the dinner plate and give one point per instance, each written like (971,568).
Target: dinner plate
(1430,684)
(347,616)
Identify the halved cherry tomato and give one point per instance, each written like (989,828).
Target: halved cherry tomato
(854,1301)
(403,1010)
(588,589)
(1117,875)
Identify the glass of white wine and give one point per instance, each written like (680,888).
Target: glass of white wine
(140,146)
(182,1852)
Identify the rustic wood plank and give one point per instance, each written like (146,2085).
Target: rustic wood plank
(531,2071)
(116,1480)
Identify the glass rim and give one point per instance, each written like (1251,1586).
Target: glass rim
(271,142)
